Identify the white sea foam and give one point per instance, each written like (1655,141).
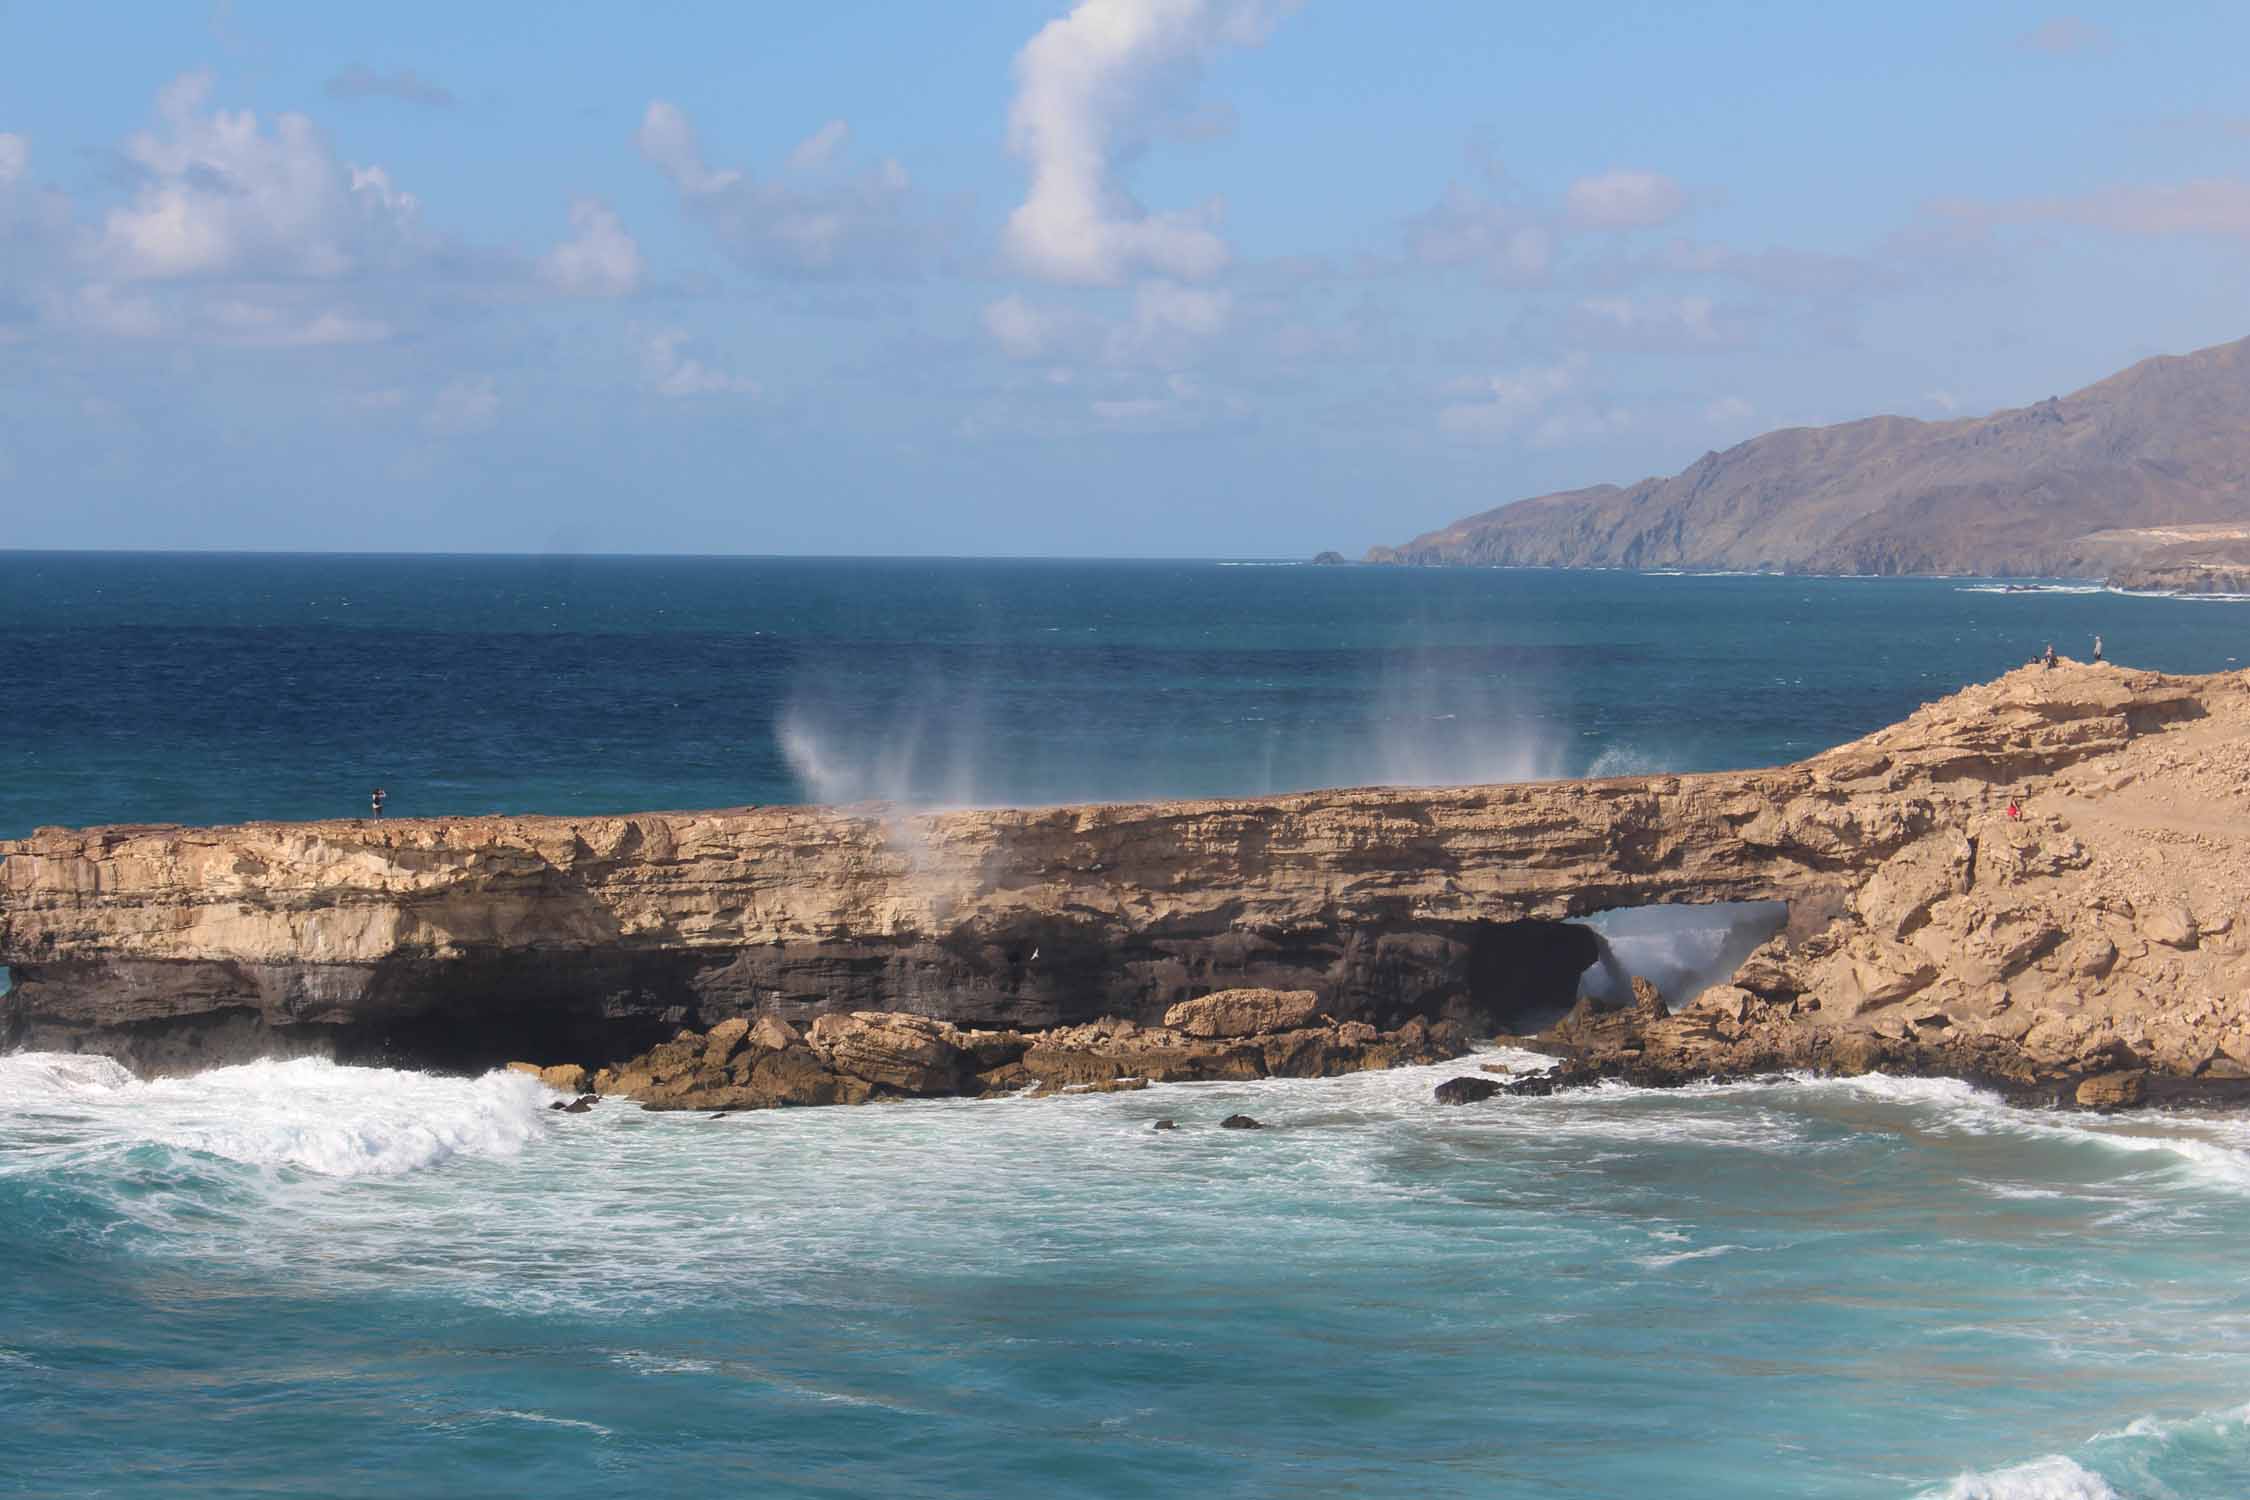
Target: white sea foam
(306,1114)
(2051,1478)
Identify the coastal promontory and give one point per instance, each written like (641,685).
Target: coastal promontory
(2147,469)
(2038,874)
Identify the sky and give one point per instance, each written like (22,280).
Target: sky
(1147,278)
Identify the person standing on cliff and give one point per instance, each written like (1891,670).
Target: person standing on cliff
(2047,658)
(375,801)
(2097,648)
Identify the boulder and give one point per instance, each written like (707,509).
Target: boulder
(723,1039)
(1165,1125)
(794,1076)
(2173,926)
(531,1068)
(1466,1090)
(772,1034)
(903,1053)
(1648,1000)
(1239,1013)
(1240,1122)
(564,1078)
(2127,1088)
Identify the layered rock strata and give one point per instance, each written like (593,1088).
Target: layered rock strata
(1927,926)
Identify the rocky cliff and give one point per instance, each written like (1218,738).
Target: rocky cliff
(470,942)
(2081,485)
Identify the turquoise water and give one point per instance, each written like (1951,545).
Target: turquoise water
(294,1279)
(297,1279)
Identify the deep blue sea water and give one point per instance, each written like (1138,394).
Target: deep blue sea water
(295,1279)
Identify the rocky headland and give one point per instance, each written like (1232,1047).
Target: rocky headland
(2038,880)
(2147,469)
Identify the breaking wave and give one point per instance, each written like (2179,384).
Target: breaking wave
(307,1115)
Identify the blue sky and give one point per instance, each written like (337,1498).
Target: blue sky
(1135,277)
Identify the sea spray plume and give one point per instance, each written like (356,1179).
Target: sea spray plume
(1682,950)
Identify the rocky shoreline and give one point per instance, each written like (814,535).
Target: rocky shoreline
(872,1055)
(2037,882)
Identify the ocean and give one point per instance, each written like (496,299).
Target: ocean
(297,1279)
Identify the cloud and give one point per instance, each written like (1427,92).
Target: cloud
(1728,411)
(358,81)
(2065,36)
(669,370)
(1468,227)
(1541,403)
(840,224)
(600,260)
(1944,401)
(1656,324)
(263,325)
(1021,330)
(818,149)
(1623,200)
(469,404)
(1167,307)
(1085,87)
(219,196)
(15,158)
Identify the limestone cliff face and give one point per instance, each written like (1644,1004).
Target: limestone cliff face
(471,941)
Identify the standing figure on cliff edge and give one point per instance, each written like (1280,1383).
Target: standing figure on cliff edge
(2097,648)
(2047,658)
(375,801)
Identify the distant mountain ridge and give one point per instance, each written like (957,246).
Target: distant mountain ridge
(2147,469)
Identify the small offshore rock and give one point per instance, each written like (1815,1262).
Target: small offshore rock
(579,1105)
(1466,1090)
(1501,1068)
(1165,1125)
(2124,1089)
(1240,1122)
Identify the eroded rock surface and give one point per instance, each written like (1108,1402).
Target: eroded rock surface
(2094,934)
(870,1055)
(2100,931)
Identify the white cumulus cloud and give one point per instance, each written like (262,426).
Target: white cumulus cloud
(220,195)
(599,260)
(15,157)
(1085,85)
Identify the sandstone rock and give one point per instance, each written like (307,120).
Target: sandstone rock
(564,1078)
(1165,1125)
(1648,1000)
(722,1040)
(904,1053)
(1243,1013)
(1466,1090)
(2124,1089)
(525,1067)
(2173,926)
(1853,1055)
(772,1034)
(579,1105)
(1240,1122)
